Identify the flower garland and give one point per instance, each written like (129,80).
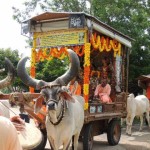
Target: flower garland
(79,50)
(86,73)
(102,44)
(95,73)
(33,60)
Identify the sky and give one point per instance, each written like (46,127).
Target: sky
(10,30)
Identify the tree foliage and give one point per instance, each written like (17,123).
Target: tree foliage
(32,7)
(13,56)
(50,70)
(131,17)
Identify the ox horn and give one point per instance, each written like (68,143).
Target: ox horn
(10,75)
(73,70)
(63,80)
(22,73)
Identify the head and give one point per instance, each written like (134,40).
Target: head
(104,61)
(104,82)
(130,97)
(53,92)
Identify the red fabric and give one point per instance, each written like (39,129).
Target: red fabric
(148,92)
(78,89)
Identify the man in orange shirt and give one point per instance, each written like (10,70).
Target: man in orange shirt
(103,91)
(75,87)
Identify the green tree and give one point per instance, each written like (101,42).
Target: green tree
(50,70)
(131,17)
(13,56)
(49,5)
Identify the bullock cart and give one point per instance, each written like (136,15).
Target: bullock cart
(93,41)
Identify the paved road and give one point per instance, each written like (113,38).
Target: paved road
(138,140)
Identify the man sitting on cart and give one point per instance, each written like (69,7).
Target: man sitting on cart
(102,91)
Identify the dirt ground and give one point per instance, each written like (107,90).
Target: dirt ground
(138,140)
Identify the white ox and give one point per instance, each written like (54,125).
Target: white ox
(136,106)
(65,116)
(71,124)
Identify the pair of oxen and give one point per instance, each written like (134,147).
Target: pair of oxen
(65,115)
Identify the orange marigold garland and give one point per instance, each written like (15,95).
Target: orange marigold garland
(51,53)
(86,73)
(79,50)
(32,69)
(103,43)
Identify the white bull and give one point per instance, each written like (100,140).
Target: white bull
(71,124)
(136,106)
(65,112)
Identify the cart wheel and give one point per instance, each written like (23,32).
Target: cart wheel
(88,137)
(113,132)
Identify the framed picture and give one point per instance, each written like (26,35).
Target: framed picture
(92,109)
(99,108)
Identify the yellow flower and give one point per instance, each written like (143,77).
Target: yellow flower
(62,56)
(86,105)
(86,89)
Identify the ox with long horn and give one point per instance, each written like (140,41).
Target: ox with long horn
(65,113)
(10,75)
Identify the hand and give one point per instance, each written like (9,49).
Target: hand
(18,123)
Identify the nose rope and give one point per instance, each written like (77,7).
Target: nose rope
(53,100)
(60,116)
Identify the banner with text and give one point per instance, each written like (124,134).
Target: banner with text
(60,38)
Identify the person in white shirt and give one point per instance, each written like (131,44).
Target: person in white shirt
(8,131)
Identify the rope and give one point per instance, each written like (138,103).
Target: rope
(60,116)
(8,108)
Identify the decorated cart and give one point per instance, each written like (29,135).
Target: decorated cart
(93,41)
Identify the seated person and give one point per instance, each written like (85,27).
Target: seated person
(8,130)
(102,91)
(75,87)
(8,133)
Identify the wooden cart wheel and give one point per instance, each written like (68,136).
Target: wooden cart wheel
(88,137)
(113,132)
